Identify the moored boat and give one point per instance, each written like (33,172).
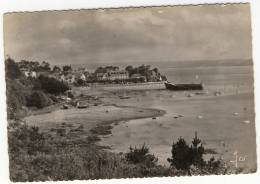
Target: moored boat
(183,87)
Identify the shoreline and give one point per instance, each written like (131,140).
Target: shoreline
(101,119)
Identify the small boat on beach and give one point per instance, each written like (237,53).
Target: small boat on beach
(81,106)
(124,97)
(65,106)
(183,87)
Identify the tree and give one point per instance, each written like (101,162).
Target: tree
(80,82)
(183,155)
(67,68)
(156,70)
(52,85)
(56,69)
(45,66)
(12,69)
(100,70)
(130,70)
(164,78)
(141,156)
(38,99)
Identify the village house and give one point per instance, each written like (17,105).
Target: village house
(29,73)
(102,76)
(83,77)
(69,78)
(138,76)
(118,75)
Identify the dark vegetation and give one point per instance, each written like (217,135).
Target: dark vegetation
(36,156)
(185,157)
(67,68)
(145,71)
(52,85)
(141,155)
(61,154)
(106,69)
(23,92)
(34,65)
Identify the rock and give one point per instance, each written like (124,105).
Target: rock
(217,93)
(190,95)
(178,116)
(200,117)
(246,121)
(235,113)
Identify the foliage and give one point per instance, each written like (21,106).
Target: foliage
(45,66)
(38,99)
(25,92)
(67,68)
(52,85)
(34,66)
(141,155)
(38,156)
(184,157)
(12,69)
(106,69)
(41,156)
(80,82)
(150,75)
(16,93)
(56,69)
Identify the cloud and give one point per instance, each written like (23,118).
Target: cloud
(207,32)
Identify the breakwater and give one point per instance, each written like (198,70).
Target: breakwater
(130,86)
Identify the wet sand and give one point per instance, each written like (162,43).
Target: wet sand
(90,117)
(225,123)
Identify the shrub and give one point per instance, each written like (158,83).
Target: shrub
(12,69)
(38,99)
(52,85)
(36,156)
(141,156)
(184,157)
(39,156)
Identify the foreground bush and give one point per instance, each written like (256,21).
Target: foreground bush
(38,99)
(189,158)
(52,85)
(38,156)
(141,156)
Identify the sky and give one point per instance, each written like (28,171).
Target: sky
(130,35)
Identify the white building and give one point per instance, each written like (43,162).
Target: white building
(83,77)
(32,74)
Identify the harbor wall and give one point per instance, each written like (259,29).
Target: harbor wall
(132,86)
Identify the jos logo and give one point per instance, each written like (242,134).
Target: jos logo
(237,159)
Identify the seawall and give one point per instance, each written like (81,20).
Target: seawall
(132,86)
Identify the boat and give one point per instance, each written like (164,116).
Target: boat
(183,87)
(65,106)
(81,106)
